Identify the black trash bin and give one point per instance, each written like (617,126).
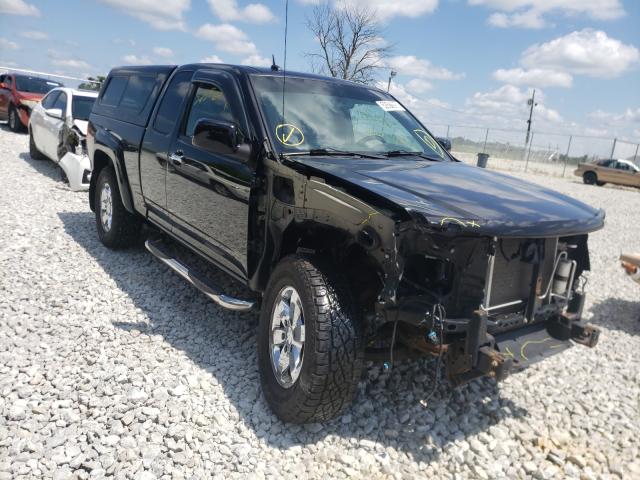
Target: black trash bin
(483,158)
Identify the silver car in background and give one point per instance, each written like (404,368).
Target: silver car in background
(57,130)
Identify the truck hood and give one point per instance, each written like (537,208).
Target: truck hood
(459,197)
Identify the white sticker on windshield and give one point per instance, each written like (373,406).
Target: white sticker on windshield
(389,106)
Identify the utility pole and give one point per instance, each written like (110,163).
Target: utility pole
(392,74)
(532,103)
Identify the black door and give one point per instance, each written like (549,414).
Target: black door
(207,192)
(156,144)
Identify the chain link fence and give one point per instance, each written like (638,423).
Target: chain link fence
(543,152)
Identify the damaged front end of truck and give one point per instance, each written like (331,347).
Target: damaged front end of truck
(487,295)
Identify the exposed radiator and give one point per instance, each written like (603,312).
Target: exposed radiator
(509,278)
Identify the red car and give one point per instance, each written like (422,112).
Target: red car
(19,94)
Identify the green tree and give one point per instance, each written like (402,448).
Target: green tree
(94,83)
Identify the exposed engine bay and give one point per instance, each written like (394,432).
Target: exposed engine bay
(488,304)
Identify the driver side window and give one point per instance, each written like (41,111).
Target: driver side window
(208,102)
(50,99)
(61,103)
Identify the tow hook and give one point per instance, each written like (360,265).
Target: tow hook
(585,334)
(494,364)
(477,356)
(568,327)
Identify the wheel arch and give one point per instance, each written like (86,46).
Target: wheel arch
(102,159)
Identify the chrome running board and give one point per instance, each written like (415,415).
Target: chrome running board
(198,280)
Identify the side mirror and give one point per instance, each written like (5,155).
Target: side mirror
(54,112)
(216,136)
(445,142)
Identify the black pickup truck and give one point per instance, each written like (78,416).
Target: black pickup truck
(359,235)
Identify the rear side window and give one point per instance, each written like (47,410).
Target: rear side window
(114,90)
(169,109)
(137,92)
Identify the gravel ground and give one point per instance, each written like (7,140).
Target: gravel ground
(111,365)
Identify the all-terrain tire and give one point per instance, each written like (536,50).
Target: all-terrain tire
(123,230)
(589,178)
(33,150)
(15,124)
(333,347)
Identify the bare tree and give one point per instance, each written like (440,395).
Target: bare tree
(350,39)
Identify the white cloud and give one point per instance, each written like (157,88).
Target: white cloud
(510,102)
(18,7)
(528,19)
(387,9)
(73,63)
(256,61)
(536,77)
(421,107)
(228,38)
(418,67)
(629,115)
(228,11)
(507,97)
(212,59)
(585,52)
(163,15)
(121,41)
(532,13)
(34,35)
(132,59)
(418,85)
(623,125)
(163,52)
(6,44)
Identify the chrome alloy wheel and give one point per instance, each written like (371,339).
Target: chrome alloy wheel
(106,207)
(286,341)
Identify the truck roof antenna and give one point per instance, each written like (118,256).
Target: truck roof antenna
(274,67)
(284,69)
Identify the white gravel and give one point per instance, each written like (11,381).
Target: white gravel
(111,365)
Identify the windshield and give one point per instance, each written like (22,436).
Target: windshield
(35,84)
(326,115)
(81,107)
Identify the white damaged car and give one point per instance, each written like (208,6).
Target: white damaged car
(57,130)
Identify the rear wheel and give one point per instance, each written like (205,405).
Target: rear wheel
(589,178)
(310,347)
(15,124)
(117,228)
(33,150)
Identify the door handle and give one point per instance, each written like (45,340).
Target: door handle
(176,158)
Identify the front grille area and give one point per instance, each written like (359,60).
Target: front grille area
(510,274)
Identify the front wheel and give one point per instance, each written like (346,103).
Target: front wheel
(117,228)
(15,124)
(589,178)
(33,149)
(310,348)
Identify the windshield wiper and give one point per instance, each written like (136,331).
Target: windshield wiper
(332,152)
(407,153)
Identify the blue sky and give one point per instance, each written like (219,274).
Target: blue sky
(466,62)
